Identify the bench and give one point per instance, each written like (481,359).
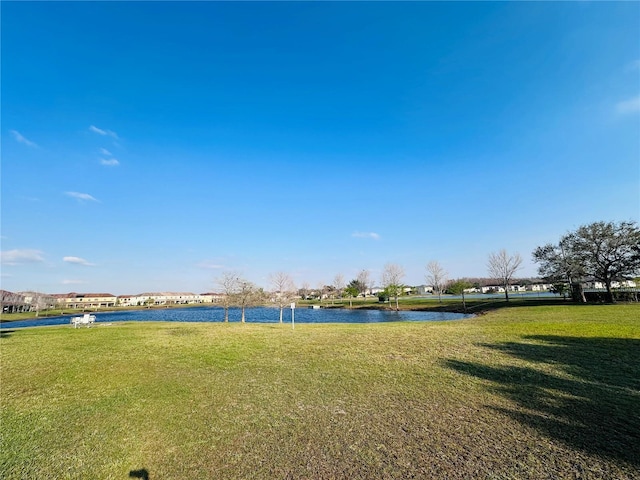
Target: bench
(87,319)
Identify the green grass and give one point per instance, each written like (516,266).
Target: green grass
(447,303)
(527,392)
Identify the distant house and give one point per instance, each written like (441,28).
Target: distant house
(130,300)
(13,302)
(88,300)
(168,298)
(424,289)
(492,289)
(211,297)
(375,290)
(594,284)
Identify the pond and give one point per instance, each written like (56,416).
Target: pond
(252,315)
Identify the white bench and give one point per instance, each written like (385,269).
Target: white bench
(87,319)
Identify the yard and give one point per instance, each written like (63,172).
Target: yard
(519,393)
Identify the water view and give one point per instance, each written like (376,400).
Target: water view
(252,315)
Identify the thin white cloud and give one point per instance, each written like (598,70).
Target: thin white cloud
(631,105)
(22,139)
(372,235)
(77,261)
(104,133)
(111,162)
(19,256)
(81,196)
(106,152)
(211,266)
(73,282)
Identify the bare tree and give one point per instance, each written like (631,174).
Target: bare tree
(246,295)
(437,278)
(338,284)
(38,301)
(364,282)
(228,282)
(284,290)
(304,290)
(502,266)
(322,291)
(392,276)
(13,302)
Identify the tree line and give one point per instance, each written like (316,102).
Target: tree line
(601,251)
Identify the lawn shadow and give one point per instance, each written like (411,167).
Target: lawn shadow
(591,401)
(478,306)
(483,305)
(143,473)
(6,333)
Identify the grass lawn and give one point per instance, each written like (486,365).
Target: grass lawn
(519,393)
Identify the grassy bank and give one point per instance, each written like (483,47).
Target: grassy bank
(529,392)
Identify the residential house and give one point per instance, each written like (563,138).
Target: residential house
(13,302)
(211,297)
(424,289)
(89,300)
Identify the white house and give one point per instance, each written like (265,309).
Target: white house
(211,297)
(424,289)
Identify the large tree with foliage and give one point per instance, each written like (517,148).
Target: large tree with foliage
(502,267)
(606,251)
(559,266)
(353,290)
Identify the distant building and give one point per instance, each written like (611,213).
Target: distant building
(13,302)
(88,300)
(424,289)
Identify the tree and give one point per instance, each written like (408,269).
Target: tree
(557,266)
(246,295)
(606,251)
(353,290)
(364,280)
(37,302)
(560,288)
(392,276)
(457,288)
(502,266)
(283,289)
(338,284)
(228,283)
(322,291)
(437,278)
(304,290)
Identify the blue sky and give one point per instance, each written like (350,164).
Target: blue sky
(152,146)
